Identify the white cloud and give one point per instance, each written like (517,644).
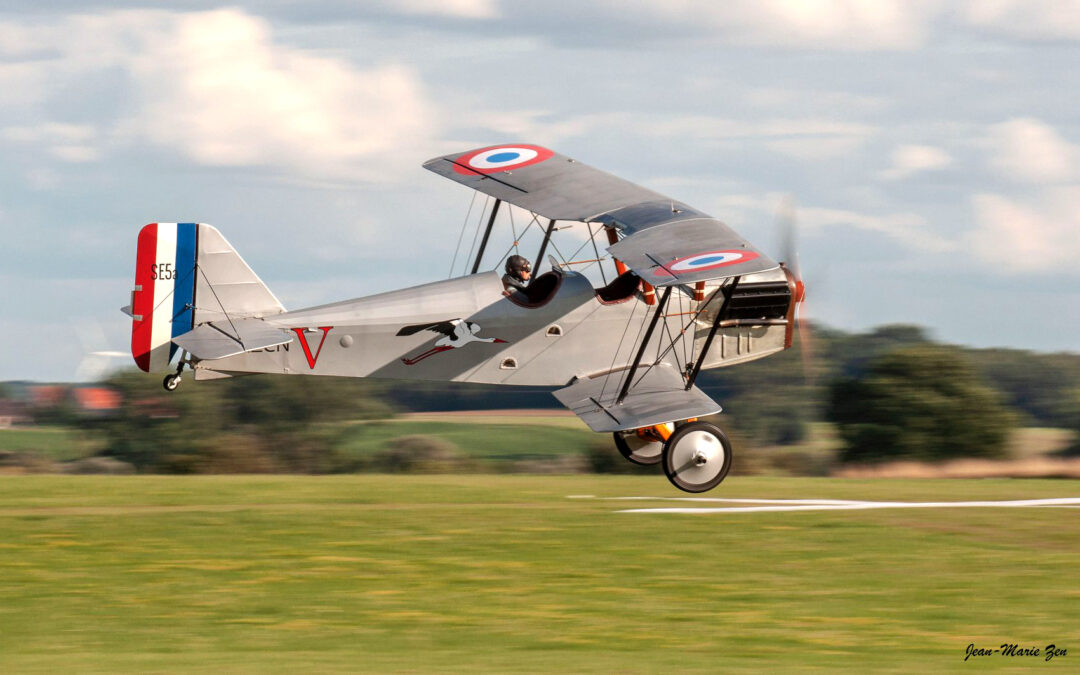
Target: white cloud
(908,160)
(464,9)
(1026,19)
(844,25)
(907,228)
(217,88)
(1028,150)
(1034,236)
(73,143)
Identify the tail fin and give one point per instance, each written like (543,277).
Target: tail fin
(187,274)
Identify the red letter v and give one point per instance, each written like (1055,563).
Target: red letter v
(307,350)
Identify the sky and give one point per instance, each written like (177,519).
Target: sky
(931,147)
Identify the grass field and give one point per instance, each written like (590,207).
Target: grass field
(59,443)
(506,573)
(486,439)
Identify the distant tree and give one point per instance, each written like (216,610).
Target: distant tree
(1041,386)
(921,403)
(253,424)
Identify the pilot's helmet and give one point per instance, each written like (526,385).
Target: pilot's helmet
(516,264)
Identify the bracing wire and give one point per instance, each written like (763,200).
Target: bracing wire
(618,348)
(637,340)
(513,231)
(592,238)
(513,246)
(476,234)
(464,226)
(692,321)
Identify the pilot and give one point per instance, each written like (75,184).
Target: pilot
(518,272)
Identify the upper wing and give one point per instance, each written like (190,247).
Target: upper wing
(665,241)
(444,327)
(659,397)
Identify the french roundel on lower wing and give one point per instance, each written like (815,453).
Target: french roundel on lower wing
(501,158)
(709,260)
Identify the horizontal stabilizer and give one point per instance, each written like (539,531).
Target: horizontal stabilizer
(218,340)
(659,397)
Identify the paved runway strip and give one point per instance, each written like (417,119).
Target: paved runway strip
(767,505)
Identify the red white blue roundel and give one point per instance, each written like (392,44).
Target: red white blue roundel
(709,260)
(500,158)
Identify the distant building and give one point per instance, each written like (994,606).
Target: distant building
(12,413)
(47,395)
(96,400)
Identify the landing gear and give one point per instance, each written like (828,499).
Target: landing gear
(171,381)
(644,447)
(697,457)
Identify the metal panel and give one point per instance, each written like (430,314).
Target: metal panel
(558,188)
(659,397)
(665,241)
(670,253)
(211,341)
(225,285)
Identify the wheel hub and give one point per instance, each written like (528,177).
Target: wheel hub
(700,458)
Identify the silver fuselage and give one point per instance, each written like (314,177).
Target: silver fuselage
(573,335)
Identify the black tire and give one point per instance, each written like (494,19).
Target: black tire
(171,382)
(638,451)
(697,457)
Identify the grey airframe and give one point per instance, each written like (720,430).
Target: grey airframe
(690,294)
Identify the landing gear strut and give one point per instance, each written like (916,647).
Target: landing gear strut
(172,381)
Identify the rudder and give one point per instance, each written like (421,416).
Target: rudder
(187,274)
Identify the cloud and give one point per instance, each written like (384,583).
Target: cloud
(74,143)
(907,228)
(835,25)
(464,9)
(1032,236)
(908,160)
(218,89)
(1025,19)
(1028,150)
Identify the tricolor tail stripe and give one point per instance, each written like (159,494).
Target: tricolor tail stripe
(183,309)
(164,296)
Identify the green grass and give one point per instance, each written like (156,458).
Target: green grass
(506,574)
(564,420)
(509,440)
(59,443)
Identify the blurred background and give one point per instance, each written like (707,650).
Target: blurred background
(930,149)
(890,402)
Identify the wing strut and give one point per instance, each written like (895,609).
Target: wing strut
(720,316)
(543,247)
(645,342)
(487,233)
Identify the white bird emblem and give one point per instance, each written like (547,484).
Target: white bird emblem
(456,333)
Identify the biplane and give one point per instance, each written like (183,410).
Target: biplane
(687,293)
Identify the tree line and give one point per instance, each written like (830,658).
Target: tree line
(893,393)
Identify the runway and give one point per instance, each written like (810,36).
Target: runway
(778,505)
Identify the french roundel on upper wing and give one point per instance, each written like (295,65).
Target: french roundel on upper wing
(500,158)
(707,261)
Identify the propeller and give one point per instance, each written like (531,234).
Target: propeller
(95,363)
(790,252)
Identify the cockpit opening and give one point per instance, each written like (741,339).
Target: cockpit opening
(539,292)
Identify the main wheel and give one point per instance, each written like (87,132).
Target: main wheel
(171,382)
(697,457)
(638,450)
